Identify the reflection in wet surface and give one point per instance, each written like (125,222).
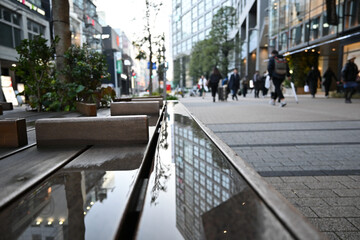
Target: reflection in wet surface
(201,195)
(70,205)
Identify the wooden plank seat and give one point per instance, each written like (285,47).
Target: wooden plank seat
(87,109)
(13,132)
(149,108)
(92,131)
(159,99)
(6,106)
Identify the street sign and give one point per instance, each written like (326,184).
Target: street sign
(153,65)
(119,66)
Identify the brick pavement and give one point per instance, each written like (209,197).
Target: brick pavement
(309,152)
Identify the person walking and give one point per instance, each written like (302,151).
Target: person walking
(244,84)
(257,83)
(234,84)
(214,82)
(278,69)
(202,85)
(328,75)
(349,74)
(265,83)
(312,80)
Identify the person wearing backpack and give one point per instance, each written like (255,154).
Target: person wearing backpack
(278,69)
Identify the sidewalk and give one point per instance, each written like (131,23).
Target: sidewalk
(310,152)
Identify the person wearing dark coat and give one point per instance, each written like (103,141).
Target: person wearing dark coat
(214,82)
(328,75)
(234,84)
(312,80)
(349,74)
(277,78)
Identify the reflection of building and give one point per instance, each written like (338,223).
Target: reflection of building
(204,178)
(328,29)
(46,212)
(20,20)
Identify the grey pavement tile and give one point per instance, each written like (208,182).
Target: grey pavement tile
(355,221)
(294,186)
(351,184)
(263,169)
(325,185)
(343,201)
(286,168)
(349,235)
(332,224)
(347,192)
(315,193)
(296,163)
(308,202)
(273,179)
(331,236)
(317,168)
(343,211)
(287,193)
(267,164)
(307,212)
(334,178)
(355,177)
(299,179)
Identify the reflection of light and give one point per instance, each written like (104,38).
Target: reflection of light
(91,203)
(38,222)
(88,208)
(318,52)
(49,190)
(306,50)
(243,203)
(266,44)
(13,65)
(333,49)
(325,25)
(291,71)
(50,222)
(313,50)
(61,221)
(84,213)
(225,231)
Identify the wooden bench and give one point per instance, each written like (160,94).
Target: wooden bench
(159,99)
(6,106)
(87,109)
(150,108)
(13,133)
(92,131)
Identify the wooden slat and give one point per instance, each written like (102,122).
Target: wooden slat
(6,106)
(92,131)
(87,109)
(149,108)
(13,133)
(22,170)
(158,99)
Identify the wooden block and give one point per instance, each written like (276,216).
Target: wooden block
(1,110)
(6,106)
(92,131)
(135,108)
(159,99)
(87,109)
(13,133)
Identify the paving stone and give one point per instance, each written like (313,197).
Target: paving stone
(286,168)
(351,184)
(294,186)
(287,193)
(349,235)
(331,236)
(334,178)
(355,222)
(315,193)
(308,202)
(299,179)
(343,211)
(332,224)
(356,178)
(343,201)
(307,212)
(267,164)
(347,192)
(273,179)
(325,185)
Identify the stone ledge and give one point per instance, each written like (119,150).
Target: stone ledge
(92,131)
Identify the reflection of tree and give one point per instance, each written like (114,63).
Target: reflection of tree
(161,170)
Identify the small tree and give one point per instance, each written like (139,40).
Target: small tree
(85,67)
(222,24)
(35,67)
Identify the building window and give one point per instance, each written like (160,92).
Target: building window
(314,29)
(34,29)
(208,4)
(201,23)
(352,13)
(201,8)
(208,18)
(194,27)
(10,30)
(194,12)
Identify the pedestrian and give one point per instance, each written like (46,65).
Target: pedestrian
(328,75)
(202,86)
(234,84)
(214,82)
(349,75)
(257,84)
(265,82)
(278,69)
(244,85)
(312,80)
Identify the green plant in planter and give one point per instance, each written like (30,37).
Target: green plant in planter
(36,68)
(85,67)
(301,64)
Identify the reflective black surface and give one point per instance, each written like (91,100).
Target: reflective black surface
(195,193)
